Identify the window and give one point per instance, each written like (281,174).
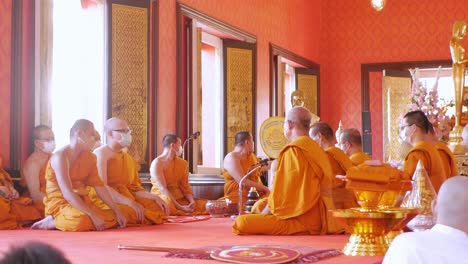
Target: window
(78,73)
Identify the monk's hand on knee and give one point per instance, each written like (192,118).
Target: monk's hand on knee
(121,219)
(162,204)
(139,210)
(98,222)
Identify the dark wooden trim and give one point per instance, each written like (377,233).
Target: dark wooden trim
(276,51)
(216,24)
(227,43)
(155,67)
(279,51)
(16,84)
(393,66)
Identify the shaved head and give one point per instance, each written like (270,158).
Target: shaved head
(38,130)
(322,128)
(81,124)
(114,123)
(452,203)
(300,116)
(352,136)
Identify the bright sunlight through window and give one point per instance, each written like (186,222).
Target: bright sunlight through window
(78,67)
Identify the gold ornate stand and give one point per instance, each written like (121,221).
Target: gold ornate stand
(368,229)
(462,164)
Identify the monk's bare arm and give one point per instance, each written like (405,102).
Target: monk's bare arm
(61,167)
(233,166)
(157,174)
(102,157)
(31,175)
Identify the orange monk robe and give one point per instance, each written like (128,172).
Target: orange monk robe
(448,160)
(122,175)
(231,187)
(83,177)
(300,199)
(176,176)
(340,163)
(42,188)
(16,211)
(359,158)
(430,158)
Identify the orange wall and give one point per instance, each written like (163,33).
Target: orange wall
(291,24)
(353,33)
(5,72)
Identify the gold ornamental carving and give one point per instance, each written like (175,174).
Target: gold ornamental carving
(308,85)
(129,91)
(239,95)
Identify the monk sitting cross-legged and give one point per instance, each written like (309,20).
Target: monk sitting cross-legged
(322,133)
(351,144)
(120,172)
(236,164)
(33,172)
(73,181)
(169,175)
(14,210)
(301,198)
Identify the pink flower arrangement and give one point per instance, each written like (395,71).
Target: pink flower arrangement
(428,102)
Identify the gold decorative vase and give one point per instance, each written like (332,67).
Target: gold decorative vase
(368,228)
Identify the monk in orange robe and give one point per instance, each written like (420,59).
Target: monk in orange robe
(236,164)
(76,198)
(322,133)
(448,159)
(169,175)
(300,200)
(33,171)
(414,130)
(119,171)
(351,144)
(14,210)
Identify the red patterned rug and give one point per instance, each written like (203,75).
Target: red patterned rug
(307,254)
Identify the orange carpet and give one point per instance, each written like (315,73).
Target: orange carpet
(101,247)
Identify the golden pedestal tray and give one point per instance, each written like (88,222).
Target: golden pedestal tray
(368,228)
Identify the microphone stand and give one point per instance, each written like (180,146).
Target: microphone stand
(183,146)
(258,166)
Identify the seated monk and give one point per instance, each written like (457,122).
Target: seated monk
(301,196)
(169,175)
(238,163)
(448,159)
(76,198)
(351,144)
(119,171)
(14,210)
(414,130)
(33,172)
(322,133)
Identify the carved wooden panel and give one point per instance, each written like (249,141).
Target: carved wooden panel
(129,73)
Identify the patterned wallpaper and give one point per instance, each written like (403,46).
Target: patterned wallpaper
(5,58)
(353,33)
(290,24)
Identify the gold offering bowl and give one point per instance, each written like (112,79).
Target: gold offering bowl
(368,228)
(398,229)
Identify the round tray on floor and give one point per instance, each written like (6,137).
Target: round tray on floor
(249,255)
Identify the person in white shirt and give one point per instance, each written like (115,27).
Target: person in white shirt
(447,241)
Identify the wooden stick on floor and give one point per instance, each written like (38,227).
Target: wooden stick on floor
(164,249)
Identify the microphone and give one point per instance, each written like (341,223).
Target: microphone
(196,135)
(262,162)
(192,137)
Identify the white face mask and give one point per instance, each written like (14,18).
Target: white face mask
(48,146)
(125,140)
(403,136)
(180,151)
